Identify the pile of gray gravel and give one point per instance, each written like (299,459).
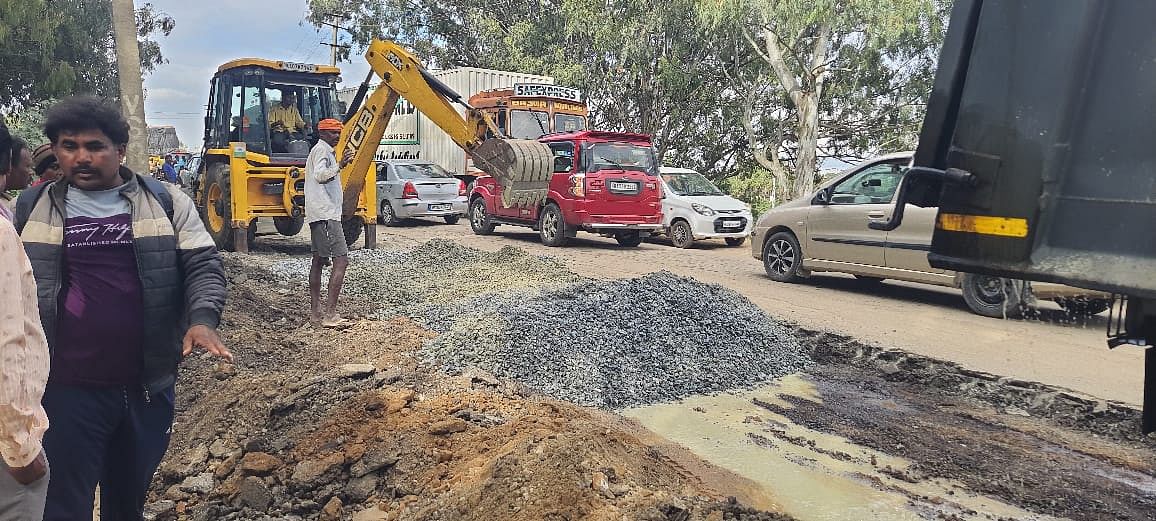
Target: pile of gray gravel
(621,343)
(609,344)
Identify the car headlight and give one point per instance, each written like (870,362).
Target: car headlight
(702,209)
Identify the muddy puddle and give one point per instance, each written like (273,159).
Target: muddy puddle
(806,473)
(851,441)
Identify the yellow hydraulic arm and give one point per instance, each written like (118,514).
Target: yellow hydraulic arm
(523,167)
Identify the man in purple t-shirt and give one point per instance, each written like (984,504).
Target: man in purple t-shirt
(129,282)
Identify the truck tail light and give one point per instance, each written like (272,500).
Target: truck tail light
(578,185)
(409,192)
(461,188)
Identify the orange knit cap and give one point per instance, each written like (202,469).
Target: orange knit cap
(329,124)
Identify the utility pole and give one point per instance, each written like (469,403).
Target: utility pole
(131,85)
(334,46)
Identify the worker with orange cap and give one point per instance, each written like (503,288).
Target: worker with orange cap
(323,215)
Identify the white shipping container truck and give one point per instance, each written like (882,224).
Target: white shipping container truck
(411,136)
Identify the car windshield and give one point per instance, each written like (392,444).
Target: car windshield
(621,156)
(420,171)
(690,183)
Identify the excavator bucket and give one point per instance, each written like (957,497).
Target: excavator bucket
(522,167)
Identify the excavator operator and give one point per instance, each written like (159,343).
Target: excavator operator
(285,122)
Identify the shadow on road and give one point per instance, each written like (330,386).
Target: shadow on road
(947,299)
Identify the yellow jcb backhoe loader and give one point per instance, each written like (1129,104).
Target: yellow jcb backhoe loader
(523,167)
(262,121)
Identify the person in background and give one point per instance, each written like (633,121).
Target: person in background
(130,283)
(23,375)
(170,171)
(44,165)
(19,174)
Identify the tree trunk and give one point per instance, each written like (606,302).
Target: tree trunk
(808,107)
(131,83)
(767,156)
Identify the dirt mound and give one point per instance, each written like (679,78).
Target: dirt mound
(318,424)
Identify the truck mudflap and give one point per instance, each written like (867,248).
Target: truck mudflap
(522,167)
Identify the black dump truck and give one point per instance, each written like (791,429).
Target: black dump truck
(1039,150)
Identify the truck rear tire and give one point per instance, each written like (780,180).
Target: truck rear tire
(994,297)
(289,226)
(216,206)
(552,226)
(630,239)
(1084,307)
(479,219)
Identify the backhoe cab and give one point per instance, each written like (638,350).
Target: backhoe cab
(260,125)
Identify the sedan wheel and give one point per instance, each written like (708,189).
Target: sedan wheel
(385,215)
(681,235)
(782,257)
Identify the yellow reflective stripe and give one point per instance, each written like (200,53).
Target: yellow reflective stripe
(983,224)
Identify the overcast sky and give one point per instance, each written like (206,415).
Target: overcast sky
(211,32)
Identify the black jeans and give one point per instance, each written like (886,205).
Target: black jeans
(106,435)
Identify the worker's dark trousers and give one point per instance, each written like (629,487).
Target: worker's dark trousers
(106,435)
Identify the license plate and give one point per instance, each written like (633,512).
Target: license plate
(444,207)
(732,224)
(623,187)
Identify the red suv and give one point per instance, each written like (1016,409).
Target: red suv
(603,182)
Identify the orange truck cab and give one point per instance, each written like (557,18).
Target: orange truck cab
(602,182)
(532,110)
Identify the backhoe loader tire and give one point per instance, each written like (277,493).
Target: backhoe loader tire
(216,206)
(289,226)
(352,227)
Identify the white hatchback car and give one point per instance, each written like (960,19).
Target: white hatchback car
(693,209)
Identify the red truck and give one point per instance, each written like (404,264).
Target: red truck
(602,182)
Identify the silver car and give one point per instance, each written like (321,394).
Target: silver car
(827,231)
(409,189)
